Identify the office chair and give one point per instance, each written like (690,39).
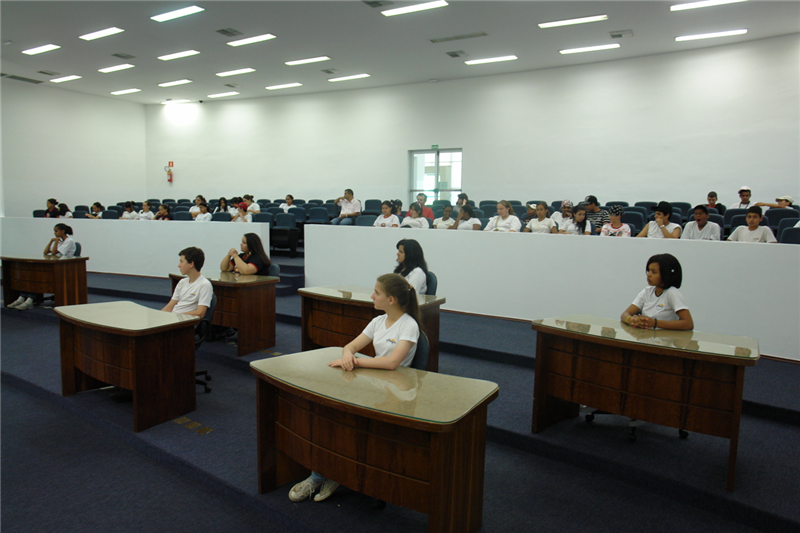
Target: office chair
(274,270)
(78,249)
(421,357)
(366,220)
(201,333)
(432,283)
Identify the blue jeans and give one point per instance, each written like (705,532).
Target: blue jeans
(346,221)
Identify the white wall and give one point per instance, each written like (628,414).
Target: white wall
(142,248)
(731,288)
(73,147)
(671,126)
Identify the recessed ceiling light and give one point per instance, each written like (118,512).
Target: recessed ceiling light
(41,49)
(309,60)
(490,60)
(102,33)
(710,35)
(569,22)
(220,95)
(706,3)
(589,49)
(284,86)
(65,78)
(251,40)
(174,83)
(181,101)
(235,72)
(125,91)
(412,9)
(354,77)
(178,55)
(177,14)
(115,68)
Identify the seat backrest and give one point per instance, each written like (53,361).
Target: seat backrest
(298,202)
(372,205)
(317,201)
(618,202)
(484,221)
(645,212)
(557,205)
(39,213)
(78,249)
(182,201)
(110,213)
(182,215)
(741,220)
(633,217)
(203,328)
(432,282)
(263,217)
(285,220)
(422,355)
(274,210)
(685,207)
(168,201)
(786,223)
(442,202)
(179,208)
(646,205)
(263,201)
(515,202)
(274,270)
(333,209)
(221,217)
(520,210)
(776,215)
(492,203)
(730,213)
(791,236)
(479,213)
(317,214)
(299,213)
(366,220)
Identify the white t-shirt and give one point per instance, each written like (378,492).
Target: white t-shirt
(132,215)
(385,340)
(194,209)
(66,248)
(469,224)
(654,230)
(740,205)
(797,225)
(761,234)
(664,307)
(286,207)
(568,226)
(247,217)
(233,211)
(419,223)
(439,223)
(610,231)
(68,214)
(386,222)
(710,232)
(203,217)
(254,208)
(418,280)
(146,215)
(353,206)
(192,295)
(511,223)
(545,226)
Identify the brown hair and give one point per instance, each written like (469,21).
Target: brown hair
(396,286)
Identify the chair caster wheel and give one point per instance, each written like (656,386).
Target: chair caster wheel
(682,433)
(589,417)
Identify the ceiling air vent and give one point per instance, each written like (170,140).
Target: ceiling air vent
(457,53)
(229,32)
(378,3)
(48,73)
(20,78)
(329,70)
(619,34)
(460,37)
(123,56)
(232,85)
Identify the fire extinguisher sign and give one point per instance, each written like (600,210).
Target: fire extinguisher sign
(172,163)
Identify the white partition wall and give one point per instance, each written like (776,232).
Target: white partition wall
(733,288)
(142,248)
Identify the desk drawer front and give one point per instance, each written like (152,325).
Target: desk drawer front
(105,357)
(353,311)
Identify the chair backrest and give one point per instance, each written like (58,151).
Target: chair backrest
(776,215)
(372,206)
(78,249)
(741,220)
(618,202)
(179,208)
(168,201)
(441,203)
(521,210)
(333,209)
(422,355)
(39,213)
(263,217)
(645,212)
(317,201)
(366,220)
(154,201)
(263,200)
(299,213)
(492,203)
(285,220)
(318,215)
(646,205)
(274,270)
(730,213)
(221,217)
(515,202)
(557,205)
(182,215)
(711,210)
(786,223)
(479,213)
(633,217)
(685,208)
(484,222)
(274,210)
(432,282)
(298,202)
(202,329)
(110,213)
(186,201)
(791,236)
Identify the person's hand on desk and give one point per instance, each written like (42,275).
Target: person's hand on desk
(347,362)
(641,321)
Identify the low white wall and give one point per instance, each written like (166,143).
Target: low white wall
(731,288)
(130,247)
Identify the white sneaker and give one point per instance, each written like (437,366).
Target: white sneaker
(27,304)
(303,490)
(328,487)
(15,303)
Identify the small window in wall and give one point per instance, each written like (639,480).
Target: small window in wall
(435,172)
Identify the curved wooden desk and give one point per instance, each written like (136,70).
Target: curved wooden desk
(333,316)
(65,278)
(246,303)
(688,380)
(409,437)
(135,347)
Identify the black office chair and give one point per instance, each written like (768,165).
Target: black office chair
(432,283)
(422,356)
(78,249)
(274,270)
(201,333)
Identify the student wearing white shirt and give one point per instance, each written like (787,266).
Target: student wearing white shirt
(564,214)
(242,215)
(387,219)
(753,232)
(466,219)
(129,213)
(97,211)
(414,219)
(578,224)
(351,208)
(63,211)
(411,264)
(701,229)
(203,215)
(615,228)
(541,224)
(505,220)
(446,220)
(661,227)
(394,335)
(252,207)
(661,304)
(222,206)
(745,198)
(146,213)
(195,209)
(288,203)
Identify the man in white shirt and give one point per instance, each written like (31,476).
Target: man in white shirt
(701,229)
(351,208)
(193,293)
(754,231)
(745,201)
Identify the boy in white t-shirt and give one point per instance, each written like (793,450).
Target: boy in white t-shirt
(754,232)
(193,293)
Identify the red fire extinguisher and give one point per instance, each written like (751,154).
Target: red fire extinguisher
(169,174)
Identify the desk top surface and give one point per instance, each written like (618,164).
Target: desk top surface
(232,278)
(405,392)
(43,258)
(360,294)
(123,316)
(689,341)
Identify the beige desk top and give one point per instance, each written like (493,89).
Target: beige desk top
(232,277)
(357,293)
(404,392)
(690,341)
(125,317)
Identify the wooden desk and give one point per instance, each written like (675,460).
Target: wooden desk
(65,278)
(334,316)
(125,344)
(409,437)
(246,303)
(688,380)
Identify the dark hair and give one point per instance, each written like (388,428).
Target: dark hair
(290,196)
(146,202)
(256,247)
(52,201)
(712,193)
(64,228)
(203,204)
(670,267)
(165,206)
(389,204)
(63,209)
(701,207)
(194,255)
(348,190)
(222,200)
(414,257)
(425,196)
(468,210)
(397,207)
(397,287)
(128,205)
(248,197)
(98,204)
(755,209)
(462,196)
(582,224)
(546,211)
(414,207)
(202,198)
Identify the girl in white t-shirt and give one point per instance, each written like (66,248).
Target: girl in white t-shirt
(288,203)
(543,223)
(446,220)
(129,213)
(63,211)
(387,219)
(661,304)
(505,220)
(577,224)
(394,336)
(146,213)
(203,215)
(242,215)
(411,264)
(466,219)
(414,218)
(195,209)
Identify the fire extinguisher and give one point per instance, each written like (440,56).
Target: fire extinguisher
(169,174)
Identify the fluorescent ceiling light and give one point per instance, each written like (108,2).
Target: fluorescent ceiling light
(177,14)
(354,77)
(174,83)
(710,35)
(251,40)
(309,60)
(589,49)
(490,60)
(569,22)
(412,9)
(102,33)
(65,78)
(41,49)
(220,95)
(181,101)
(235,72)
(284,86)
(705,3)
(115,68)
(178,55)
(126,91)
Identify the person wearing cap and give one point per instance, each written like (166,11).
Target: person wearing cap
(565,213)
(615,228)
(782,202)
(712,203)
(595,215)
(242,215)
(661,227)
(700,229)
(744,198)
